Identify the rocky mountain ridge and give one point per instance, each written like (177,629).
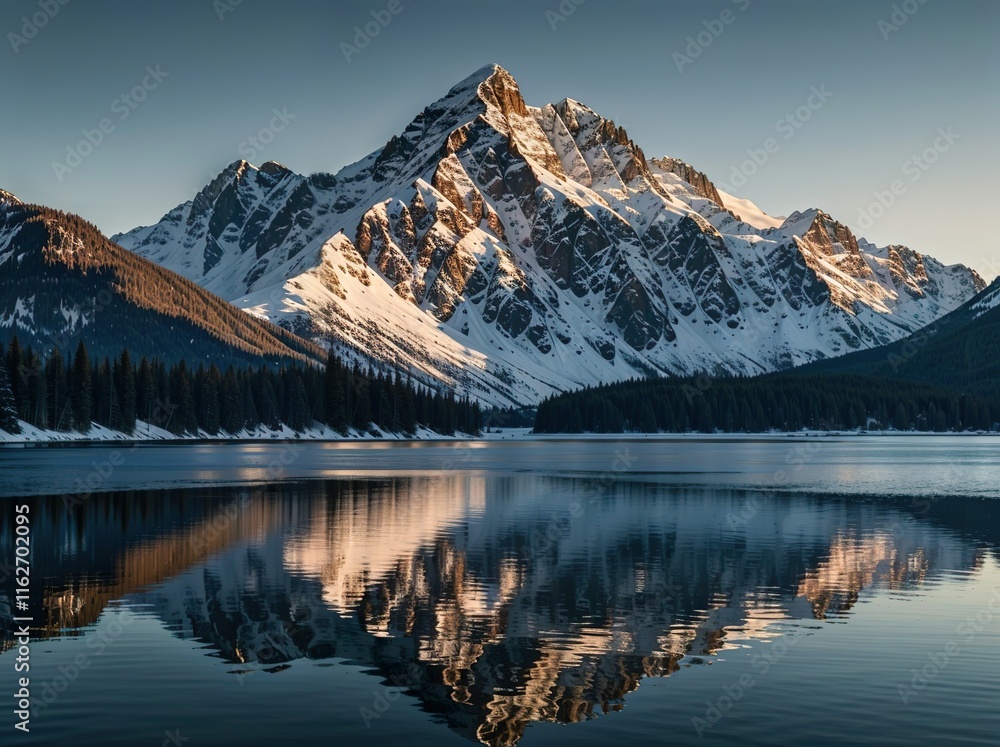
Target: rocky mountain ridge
(511,251)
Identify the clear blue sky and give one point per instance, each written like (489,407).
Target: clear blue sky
(940,69)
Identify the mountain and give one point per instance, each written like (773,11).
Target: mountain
(513,251)
(960,351)
(62,281)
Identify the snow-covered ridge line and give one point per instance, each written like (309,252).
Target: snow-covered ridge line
(990,300)
(511,252)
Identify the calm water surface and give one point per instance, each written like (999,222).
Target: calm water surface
(764,591)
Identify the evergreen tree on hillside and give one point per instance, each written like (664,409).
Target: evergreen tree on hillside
(40,393)
(103,394)
(207,404)
(55,382)
(786,402)
(386,411)
(333,394)
(298,411)
(233,419)
(145,388)
(312,382)
(81,394)
(17,374)
(8,407)
(184,419)
(76,392)
(361,417)
(251,420)
(125,385)
(267,407)
(406,407)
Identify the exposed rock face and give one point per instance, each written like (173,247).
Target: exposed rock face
(907,270)
(513,251)
(701,183)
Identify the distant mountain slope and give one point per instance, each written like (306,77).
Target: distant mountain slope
(944,377)
(61,280)
(515,251)
(960,351)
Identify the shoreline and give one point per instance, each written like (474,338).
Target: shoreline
(54,440)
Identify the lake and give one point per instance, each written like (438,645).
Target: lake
(766,590)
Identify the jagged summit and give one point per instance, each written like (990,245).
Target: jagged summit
(6,198)
(699,181)
(511,250)
(242,169)
(273,168)
(488,74)
(501,90)
(490,86)
(238,168)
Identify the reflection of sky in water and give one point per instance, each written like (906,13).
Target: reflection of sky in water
(847,465)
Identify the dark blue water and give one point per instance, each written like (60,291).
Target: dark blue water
(533,608)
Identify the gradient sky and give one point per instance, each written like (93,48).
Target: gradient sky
(941,69)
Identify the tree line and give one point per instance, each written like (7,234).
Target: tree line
(774,402)
(960,351)
(73,392)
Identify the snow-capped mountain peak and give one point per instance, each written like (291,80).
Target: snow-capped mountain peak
(510,251)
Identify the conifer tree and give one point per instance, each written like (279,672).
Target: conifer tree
(251,420)
(40,396)
(127,391)
(362,416)
(184,419)
(298,410)
(406,420)
(17,374)
(8,407)
(58,402)
(231,400)
(267,408)
(145,400)
(333,394)
(81,391)
(209,407)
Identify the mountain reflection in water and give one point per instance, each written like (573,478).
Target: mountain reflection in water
(494,601)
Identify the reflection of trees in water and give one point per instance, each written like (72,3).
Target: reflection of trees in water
(460,590)
(113,545)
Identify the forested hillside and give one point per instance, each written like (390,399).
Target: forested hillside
(72,393)
(960,351)
(62,281)
(784,402)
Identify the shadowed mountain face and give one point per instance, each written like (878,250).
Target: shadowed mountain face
(62,281)
(494,602)
(513,250)
(961,350)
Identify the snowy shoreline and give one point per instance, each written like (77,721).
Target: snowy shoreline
(146,434)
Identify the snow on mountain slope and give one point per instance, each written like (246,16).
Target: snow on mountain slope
(510,251)
(748,212)
(990,299)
